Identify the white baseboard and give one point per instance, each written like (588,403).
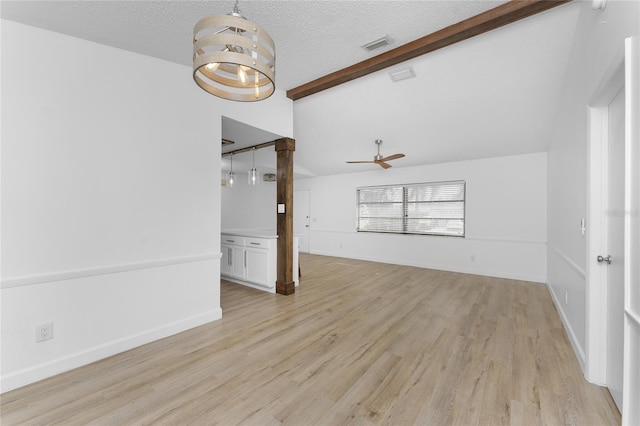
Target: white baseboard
(33,374)
(575,344)
(449,268)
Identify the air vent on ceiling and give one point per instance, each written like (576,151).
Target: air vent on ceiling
(402,74)
(376,44)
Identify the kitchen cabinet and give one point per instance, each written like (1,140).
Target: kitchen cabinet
(232,261)
(251,259)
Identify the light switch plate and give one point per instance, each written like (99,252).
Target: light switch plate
(280,208)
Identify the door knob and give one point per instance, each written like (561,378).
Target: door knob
(604,259)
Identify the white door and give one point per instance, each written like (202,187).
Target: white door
(615,248)
(301,219)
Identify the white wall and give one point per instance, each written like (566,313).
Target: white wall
(110,199)
(598,40)
(246,206)
(505,218)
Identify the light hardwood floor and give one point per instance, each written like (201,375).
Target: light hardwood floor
(358,343)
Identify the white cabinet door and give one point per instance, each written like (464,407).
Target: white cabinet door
(237,262)
(232,263)
(256,270)
(225,261)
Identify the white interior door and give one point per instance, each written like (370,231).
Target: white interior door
(301,219)
(615,215)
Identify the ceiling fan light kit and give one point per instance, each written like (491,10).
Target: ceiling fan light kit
(233,58)
(378,158)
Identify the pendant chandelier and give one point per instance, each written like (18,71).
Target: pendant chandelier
(231,176)
(254,176)
(233,58)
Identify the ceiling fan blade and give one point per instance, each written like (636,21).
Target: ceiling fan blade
(382,164)
(360,162)
(392,157)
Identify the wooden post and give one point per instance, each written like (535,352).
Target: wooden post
(284,198)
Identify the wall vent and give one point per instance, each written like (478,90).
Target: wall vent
(376,44)
(403,74)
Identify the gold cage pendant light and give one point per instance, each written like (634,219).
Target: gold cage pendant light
(233,58)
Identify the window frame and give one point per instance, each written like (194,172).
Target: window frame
(405,208)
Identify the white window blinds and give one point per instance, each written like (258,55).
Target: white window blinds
(435,208)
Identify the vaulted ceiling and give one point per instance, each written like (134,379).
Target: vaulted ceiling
(491,95)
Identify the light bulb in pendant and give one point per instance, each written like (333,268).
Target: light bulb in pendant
(253,174)
(257,85)
(212,66)
(231,176)
(242,75)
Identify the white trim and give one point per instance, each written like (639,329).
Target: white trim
(103,270)
(84,357)
(633,317)
(596,287)
(631,387)
(575,343)
(573,338)
(439,267)
(506,240)
(568,261)
(335,231)
(468,238)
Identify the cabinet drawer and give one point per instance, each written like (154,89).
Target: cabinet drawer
(257,242)
(232,240)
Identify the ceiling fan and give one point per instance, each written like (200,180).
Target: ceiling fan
(379,159)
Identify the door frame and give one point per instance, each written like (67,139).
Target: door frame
(631,368)
(623,72)
(597,183)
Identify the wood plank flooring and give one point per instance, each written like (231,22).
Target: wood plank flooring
(358,343)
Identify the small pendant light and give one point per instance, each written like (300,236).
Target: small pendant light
(254,176)
(231,176)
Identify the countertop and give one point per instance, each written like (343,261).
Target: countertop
(257,233)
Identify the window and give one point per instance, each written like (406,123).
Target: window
(435,208)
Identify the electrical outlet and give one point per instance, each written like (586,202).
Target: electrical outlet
(44,332)
(472,258)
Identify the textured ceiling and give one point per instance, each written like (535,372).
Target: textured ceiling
(489,96)
(313,38)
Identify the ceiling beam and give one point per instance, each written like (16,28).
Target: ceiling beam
(471,27)
(249,148)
